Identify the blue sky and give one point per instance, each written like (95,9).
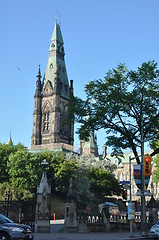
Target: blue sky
(98,35)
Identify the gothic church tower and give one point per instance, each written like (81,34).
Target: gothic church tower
(51,100)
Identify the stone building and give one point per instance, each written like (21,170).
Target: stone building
(122,174)
(51,101)
(89,147)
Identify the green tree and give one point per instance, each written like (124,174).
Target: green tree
(5,151)
(123,104)
(155,161)
(103,183)
(94,181)
(24,173)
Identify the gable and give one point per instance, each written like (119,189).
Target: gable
(48,87)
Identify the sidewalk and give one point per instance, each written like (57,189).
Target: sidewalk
(87,236)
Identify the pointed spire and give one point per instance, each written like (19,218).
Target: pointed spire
(56,39)
(56,57)
(71,87)
(10,142)
(39,73)
(38,84)
(71,195)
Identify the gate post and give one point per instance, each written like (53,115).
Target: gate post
(43,204)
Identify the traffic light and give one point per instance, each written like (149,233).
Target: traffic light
(147,165)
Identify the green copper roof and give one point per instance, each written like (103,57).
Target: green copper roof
(10,142)
(57,36)
(91,142)
(56,61)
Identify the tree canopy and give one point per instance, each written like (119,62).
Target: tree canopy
(22,171)
(124,104)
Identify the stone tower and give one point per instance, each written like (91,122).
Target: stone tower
(51,100)
(89,147)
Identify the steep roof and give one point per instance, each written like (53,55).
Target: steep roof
(10,142)
(56,61)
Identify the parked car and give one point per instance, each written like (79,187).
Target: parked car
(14,231)
(154,231)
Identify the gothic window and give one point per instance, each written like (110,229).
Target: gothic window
(46,122)
(63,126)
(46,119)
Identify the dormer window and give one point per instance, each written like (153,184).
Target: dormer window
(51,66)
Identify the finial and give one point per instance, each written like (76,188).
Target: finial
(39,72)
(56,17)
(59,18)
(44,164)
(10,139)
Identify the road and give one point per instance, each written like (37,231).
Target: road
(57,233)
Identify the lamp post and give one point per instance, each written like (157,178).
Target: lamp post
(131,227)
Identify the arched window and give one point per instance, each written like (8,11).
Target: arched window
(46,119)
(63,125)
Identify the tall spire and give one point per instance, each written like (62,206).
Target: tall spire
(56,57)
(10,142)
(38,84)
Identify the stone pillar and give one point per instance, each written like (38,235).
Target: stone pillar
(70,224)
(43,205)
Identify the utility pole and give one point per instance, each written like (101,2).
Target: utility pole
(131,226)
(143,210)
